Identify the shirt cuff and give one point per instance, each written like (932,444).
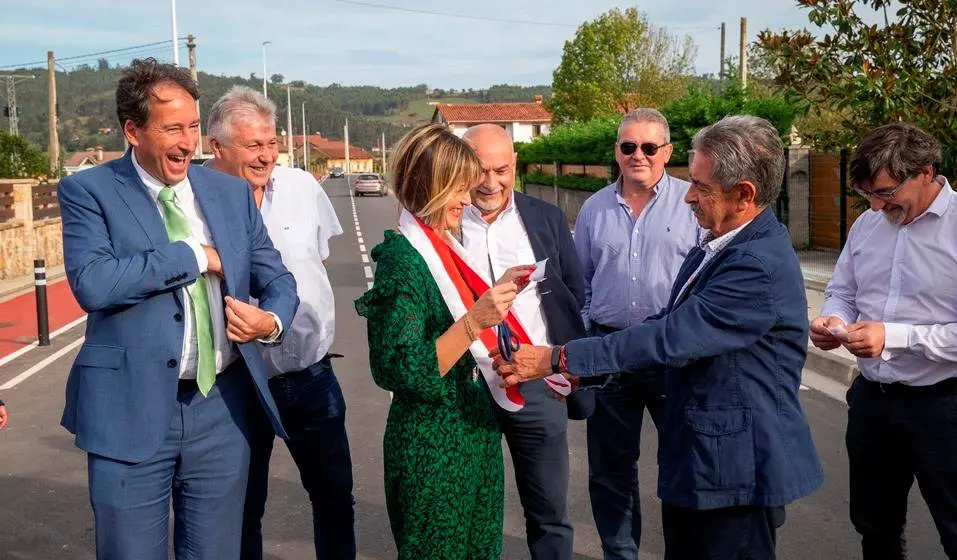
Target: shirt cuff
(277,338)
(896,337)
(201,260)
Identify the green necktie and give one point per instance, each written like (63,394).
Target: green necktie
(177,228)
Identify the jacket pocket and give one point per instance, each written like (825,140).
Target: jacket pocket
(722,447)
(100,356)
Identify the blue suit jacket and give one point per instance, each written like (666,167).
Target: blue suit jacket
(733,346)
(126,274)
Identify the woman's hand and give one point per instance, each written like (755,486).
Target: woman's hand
(493,306)
(518,275)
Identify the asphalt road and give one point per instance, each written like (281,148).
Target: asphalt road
(44,506)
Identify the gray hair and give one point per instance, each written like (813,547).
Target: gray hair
(240,102)
(744,148)
(901,149)
(646,115)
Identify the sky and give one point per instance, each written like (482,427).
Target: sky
(355,42)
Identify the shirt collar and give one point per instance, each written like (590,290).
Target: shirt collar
(474,214)
(654,189)
(942,201)
(713,244)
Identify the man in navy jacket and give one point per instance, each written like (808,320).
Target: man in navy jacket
(734,445)
(502,229)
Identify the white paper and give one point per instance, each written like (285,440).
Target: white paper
(539,273)
(839,332)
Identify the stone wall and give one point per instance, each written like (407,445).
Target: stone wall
(22,239)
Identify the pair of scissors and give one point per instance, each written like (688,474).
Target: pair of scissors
(508,343)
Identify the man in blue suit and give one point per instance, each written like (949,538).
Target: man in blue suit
(734,444)
(164,256)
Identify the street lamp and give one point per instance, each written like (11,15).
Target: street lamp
(265,94)
(172,4)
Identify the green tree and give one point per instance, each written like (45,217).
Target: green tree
(619,62)
(19,159)
(276,79)
(866,74)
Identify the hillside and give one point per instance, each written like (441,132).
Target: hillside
(88,111)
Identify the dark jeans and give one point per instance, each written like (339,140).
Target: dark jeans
(734,533)
(313,411)
(614,444)
(895,435)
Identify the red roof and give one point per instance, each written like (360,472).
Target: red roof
(333,149)
(77,158)
(455,113)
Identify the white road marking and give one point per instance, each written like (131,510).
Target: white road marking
(365,258)
(10,357)
(361,240)
(368,271)
(42,364)
(362,248)
(369,285)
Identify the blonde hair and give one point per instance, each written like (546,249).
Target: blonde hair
(428,165)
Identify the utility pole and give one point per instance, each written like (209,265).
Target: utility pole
(744,52)
(191,49)
(346,134)
(265,93)
(721,71)
(175,37)
(11,110)
(289,143)
(305,140)
(383,153)
(53,139)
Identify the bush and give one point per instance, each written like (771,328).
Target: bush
(591,142)
(573,182)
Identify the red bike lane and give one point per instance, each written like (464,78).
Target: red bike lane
(18,316)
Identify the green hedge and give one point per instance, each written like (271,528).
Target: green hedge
(573,182)
(593,142)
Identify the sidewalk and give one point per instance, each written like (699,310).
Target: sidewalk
(18,315)
(838,364)
(15,286)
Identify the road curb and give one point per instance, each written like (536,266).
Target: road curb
(27,285)
(832,366)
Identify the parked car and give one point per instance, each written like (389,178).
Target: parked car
(336,172)
(369,183)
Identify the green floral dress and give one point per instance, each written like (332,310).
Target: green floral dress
(442,447)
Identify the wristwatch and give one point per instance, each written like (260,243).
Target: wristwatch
(556,359)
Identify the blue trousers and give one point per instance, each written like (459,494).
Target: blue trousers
(614,444)
(538,443)
(202,465)
(313,411)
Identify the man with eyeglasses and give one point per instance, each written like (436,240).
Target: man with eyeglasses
(300,220)
(892,302)
(631,237)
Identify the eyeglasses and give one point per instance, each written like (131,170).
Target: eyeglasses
(886,194)
(647,148)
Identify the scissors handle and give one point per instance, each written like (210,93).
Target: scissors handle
(508,343)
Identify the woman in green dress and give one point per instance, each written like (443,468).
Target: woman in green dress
(442,446)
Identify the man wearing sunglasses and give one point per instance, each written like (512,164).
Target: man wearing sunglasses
(892,302)
(632,237)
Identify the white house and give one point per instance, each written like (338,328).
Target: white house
(523,121)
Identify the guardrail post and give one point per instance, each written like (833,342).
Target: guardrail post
(40,283)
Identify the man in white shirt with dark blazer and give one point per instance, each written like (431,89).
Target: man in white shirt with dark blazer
(300,220)
(892,302)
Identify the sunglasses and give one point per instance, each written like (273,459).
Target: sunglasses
(647,148)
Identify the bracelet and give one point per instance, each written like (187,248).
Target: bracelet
(469,330)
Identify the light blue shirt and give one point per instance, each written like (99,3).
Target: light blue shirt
(630,264)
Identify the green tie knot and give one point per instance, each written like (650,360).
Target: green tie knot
(167,194)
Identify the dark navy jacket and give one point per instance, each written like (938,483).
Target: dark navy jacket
(732,348)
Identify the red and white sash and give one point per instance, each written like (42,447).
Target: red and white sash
(457,281)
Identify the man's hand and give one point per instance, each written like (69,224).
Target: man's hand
(3,416)
(865,339)
(246,322)
(517,274)
(215,265)
(823,332)
(530,362)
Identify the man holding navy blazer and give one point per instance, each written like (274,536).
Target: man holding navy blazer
(734,444)
(502,229)
(164,257)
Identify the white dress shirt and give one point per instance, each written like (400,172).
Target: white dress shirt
(903,276)
(225,350)
(300,220)
(504,243)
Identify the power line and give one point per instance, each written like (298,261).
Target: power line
(448,14)
(89,55)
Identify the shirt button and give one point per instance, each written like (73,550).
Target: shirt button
(635,255)
(178,317)
(634,304)
(171,363)
(634,278)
